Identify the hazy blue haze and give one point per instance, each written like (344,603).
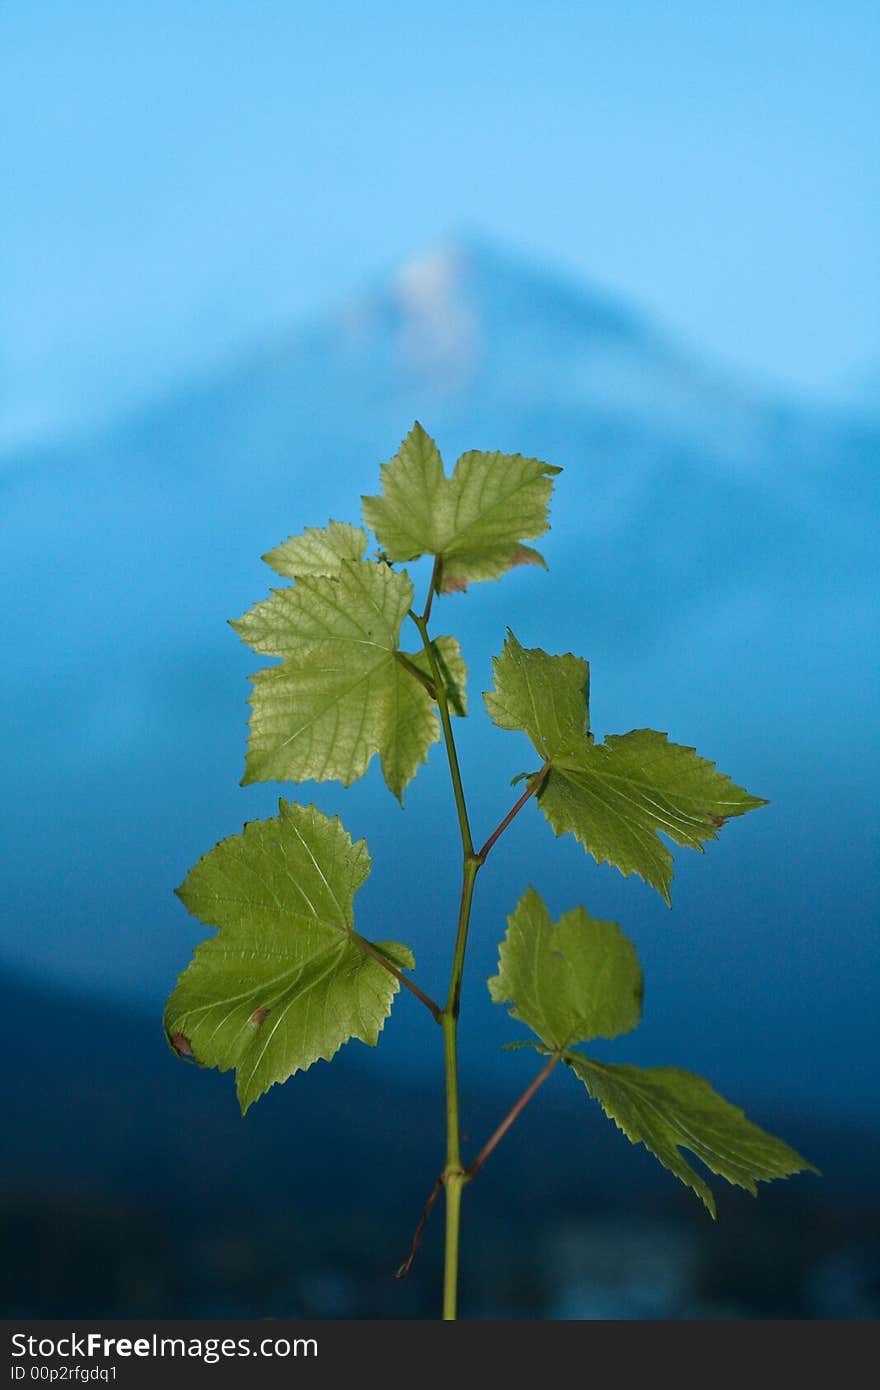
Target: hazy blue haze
(216,320)
(179,176)
(712,553)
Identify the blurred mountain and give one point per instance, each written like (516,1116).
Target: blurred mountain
(681,484)
(713,553)
(100,1099)
(132,1186)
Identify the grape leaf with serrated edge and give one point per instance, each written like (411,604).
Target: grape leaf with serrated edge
(318,550)
(475,521)
(580,979)
(569,981)
(341,694)
(613,797)
(668,1110)
(286,980)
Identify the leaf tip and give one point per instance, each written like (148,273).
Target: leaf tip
(526,555)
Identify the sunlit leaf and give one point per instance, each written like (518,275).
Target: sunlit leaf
(571,980)
(286,980)
(616,796)
(475,521)
(668,1110)
(341,693)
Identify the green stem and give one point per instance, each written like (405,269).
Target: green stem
(454,1185)
(432,587)
(454,1176)
(470,1172)
(448,738)
(413,669)
(472,865)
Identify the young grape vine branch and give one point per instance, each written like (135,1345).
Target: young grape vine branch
(286,979)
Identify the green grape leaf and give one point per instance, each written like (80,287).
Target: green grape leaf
(341,693)
(613,797)
(319,551)
(475,521)
(546,697)
(286,980)
(668,1110)
(569,981)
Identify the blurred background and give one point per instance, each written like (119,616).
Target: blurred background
(241,249)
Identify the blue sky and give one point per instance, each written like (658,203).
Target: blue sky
(184,179)
(181,178)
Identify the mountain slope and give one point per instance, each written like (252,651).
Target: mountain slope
(490,352)
(712,553)
(132,1187)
